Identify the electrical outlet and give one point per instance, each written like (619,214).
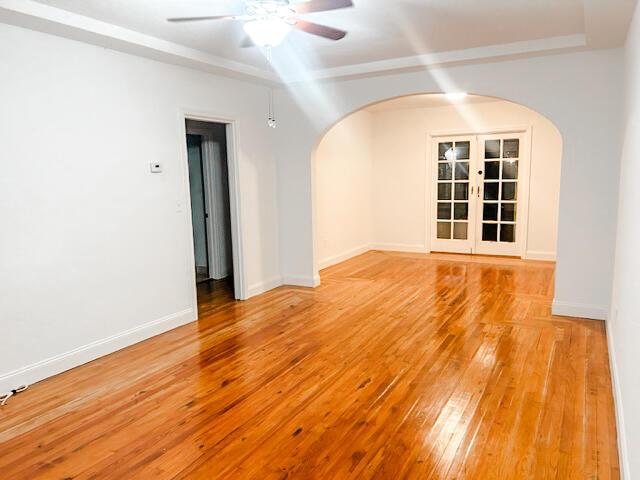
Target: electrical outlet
(156,167)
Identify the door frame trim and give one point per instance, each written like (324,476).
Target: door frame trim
(432,136)
(233,166)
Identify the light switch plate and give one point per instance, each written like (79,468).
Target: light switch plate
(156,167)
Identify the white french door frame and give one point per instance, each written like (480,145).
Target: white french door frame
(522,225)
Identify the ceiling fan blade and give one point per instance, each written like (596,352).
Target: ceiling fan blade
(198,19)
(247,42)
(321,5)
(320,30)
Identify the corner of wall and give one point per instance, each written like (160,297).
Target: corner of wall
(264,286)
(354,252)
(623,457)
(569,309)
(301,280)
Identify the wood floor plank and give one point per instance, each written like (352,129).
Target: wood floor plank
(398,365)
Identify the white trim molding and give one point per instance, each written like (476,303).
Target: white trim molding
(536,255)
(504,51)
(568,309)
(623,452)
(86,353)
(66,24)
(301,280)
(264,286)
(56,21)
(400,247)
(335,259)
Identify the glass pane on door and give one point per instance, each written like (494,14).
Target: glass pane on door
(445,151)
(444,211)
(444,191)
(507,233)
(491,170)
(510,170)
(490,212)
(445,170)
(453,190)
(492,149)
(462,170)
(460,230)
(462,150)
(511,148)
(500,189)
(461,191)
(489,232)
(444,230)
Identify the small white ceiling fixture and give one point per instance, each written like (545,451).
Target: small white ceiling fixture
(269,21)
(268,32)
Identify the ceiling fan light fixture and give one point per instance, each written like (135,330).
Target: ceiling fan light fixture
(268,32)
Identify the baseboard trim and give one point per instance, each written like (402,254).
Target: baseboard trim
(625,470)
(535,255)
(399,247)
(301,280)
(51,366)
(265,286)
(567,309)
(354,252)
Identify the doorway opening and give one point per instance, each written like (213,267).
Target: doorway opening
(207,156)
(479,186)
(433,173)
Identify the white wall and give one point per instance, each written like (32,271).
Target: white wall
(580,93)
(400,187)
(343,175)
(95,251)
(623,326)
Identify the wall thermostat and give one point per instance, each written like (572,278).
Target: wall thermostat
(156,167)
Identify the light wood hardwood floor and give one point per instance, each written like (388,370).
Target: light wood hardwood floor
(397,366)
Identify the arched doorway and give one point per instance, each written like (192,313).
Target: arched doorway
(434,172)
(553,86)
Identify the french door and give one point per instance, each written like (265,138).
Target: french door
(476,182)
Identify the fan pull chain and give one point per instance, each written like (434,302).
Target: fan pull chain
(271,120)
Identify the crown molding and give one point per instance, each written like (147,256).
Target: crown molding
(47,19)
(505,51)
(55,21)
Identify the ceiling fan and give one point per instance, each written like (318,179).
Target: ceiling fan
(267,22)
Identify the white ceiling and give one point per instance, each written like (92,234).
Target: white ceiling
(383,34)
(428,101)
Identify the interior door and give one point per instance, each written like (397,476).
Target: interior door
(453,209)
(498,178)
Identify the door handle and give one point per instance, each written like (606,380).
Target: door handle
(472,190)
